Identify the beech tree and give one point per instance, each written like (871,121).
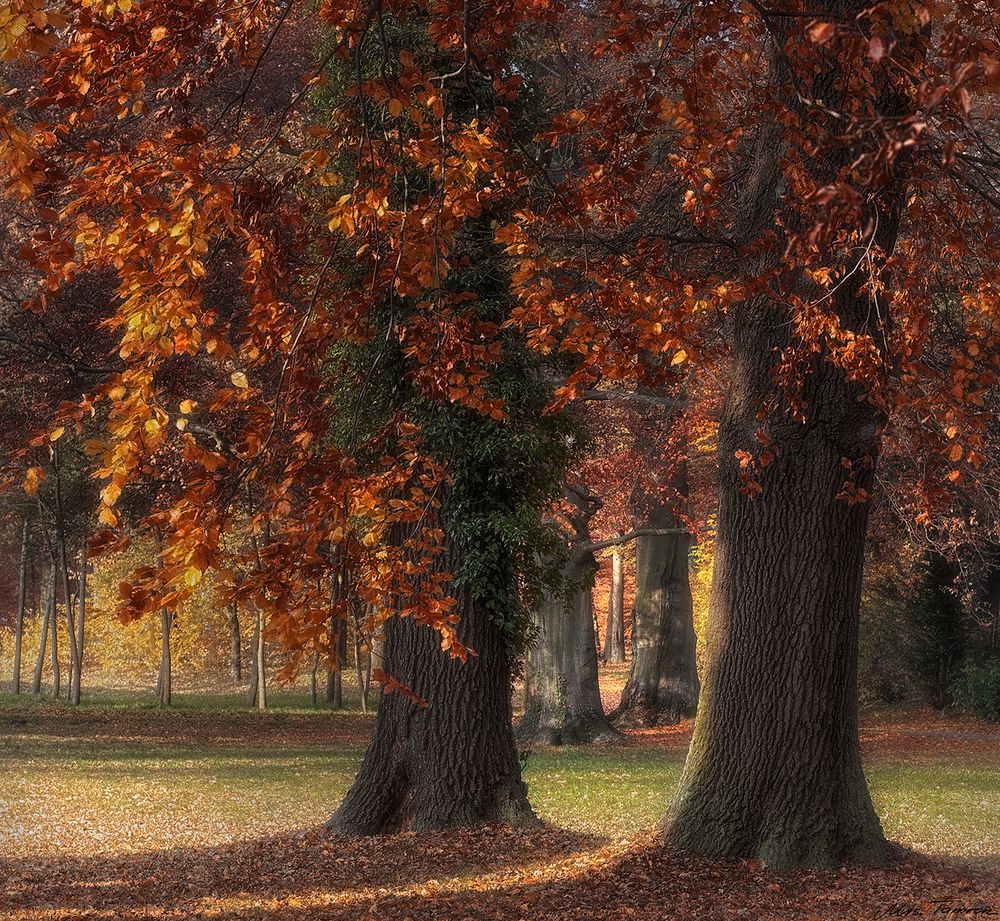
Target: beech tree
(790,206)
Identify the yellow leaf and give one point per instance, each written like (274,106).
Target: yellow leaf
(158,34)
(188,405)
(32,478)
(56,433)
(239,380)
(108,517)
(680,356)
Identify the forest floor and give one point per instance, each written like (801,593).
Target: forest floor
(118,812)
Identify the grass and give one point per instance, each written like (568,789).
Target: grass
(114,777)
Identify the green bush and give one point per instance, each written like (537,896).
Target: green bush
(978,689)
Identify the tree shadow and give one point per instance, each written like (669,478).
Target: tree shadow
(486,875)
(267,872)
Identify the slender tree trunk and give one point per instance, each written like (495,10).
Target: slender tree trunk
(47,605)
(358,665)
(662,688)
(260,654)
(614,637)
(54,634)
(334,677)
(235,642)
(81,618)
(451,763)
(22,592)
(163,686)
(64,573)
(253,685)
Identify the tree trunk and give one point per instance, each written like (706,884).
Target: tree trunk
(54,633)
(662,687)
(563,700)
(48,594)
(163,685)
(358,665)
(614,637)
(64,573)
(81,618)
(451,763)
(22,594)
(235,642)
(252,686)
(774,768)
(260,655)
(334,677)
(313,686)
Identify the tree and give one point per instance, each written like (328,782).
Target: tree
(562,695)
(614,638)
(22,591)
(663,686)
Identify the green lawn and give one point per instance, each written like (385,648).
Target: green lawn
(116,779)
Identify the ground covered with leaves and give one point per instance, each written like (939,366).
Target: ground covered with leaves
(134,813)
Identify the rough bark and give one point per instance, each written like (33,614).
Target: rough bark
(662,687)
(235,642)
(453,762)
(22,593)
(774,768)
(614,637)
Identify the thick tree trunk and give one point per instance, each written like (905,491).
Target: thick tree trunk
(80,621)
(774,768)
(235,642)
(662,688)
(453,762)
(563,698)
(22,594)
(163,685)
(614,637)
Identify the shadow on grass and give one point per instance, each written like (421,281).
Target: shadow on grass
(488,874)
(258,877)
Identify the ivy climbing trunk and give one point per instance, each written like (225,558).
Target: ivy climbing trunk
(614,637)
(453,762)
(662,687)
